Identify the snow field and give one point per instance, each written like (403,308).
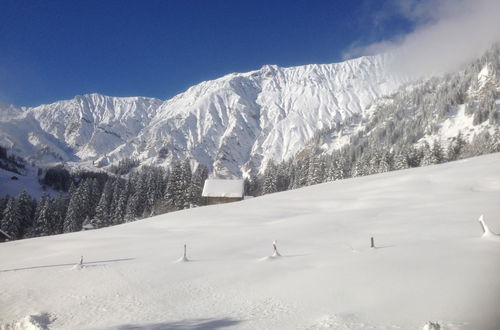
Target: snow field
(431,262)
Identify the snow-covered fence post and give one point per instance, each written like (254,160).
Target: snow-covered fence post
(483,225)
(184,257)
(372,245)
(486,230)
(276,253)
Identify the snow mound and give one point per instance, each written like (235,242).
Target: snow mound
(78,267)
(182,259)
(270,258)
(431,326)
(39,321)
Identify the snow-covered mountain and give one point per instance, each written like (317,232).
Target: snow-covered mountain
(83,128)
(236,122)
(241,121)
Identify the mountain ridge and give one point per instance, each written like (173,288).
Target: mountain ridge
(232,124)
(238,123)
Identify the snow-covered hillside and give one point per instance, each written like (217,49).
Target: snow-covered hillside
(236,122)
(431,262)
(27,181)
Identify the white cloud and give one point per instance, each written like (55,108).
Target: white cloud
(449,34)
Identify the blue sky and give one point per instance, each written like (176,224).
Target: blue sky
(52,50)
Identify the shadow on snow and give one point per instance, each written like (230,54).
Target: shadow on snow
(62,265)
(194,324)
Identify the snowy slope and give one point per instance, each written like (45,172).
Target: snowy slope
(233,123)
(431,262)
(28,180)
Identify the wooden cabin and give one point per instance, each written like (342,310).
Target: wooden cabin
(4,236)
(219,191)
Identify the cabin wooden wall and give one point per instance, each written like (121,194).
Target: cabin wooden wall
(220,200)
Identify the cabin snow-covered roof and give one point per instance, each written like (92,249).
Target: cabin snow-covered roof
(223,188)
(88,226)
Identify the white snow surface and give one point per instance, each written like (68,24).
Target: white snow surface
(431,262)
(233,123)
(28,181)
(223,188)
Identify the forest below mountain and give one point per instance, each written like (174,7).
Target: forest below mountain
(105,199)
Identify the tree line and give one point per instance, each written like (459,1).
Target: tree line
(99,200)
(309,168)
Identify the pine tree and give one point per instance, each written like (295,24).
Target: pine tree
(121,206)
(26,211)
(414,156)
(42,225)
(374,159)
(102,217)
(59,207)
(197,182)
(173,192)
(78,207)
(137,198)
(338,168)
(12,219)
(270,179)
(316,171)
(283,175)
(386,162)
(428,156)
(494,145)
(155,190)
(437,152)
(115,197)
(301,173)
(185,193)
(360,168)
(3,205)
(401,160)
(455,147)
(92,196)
